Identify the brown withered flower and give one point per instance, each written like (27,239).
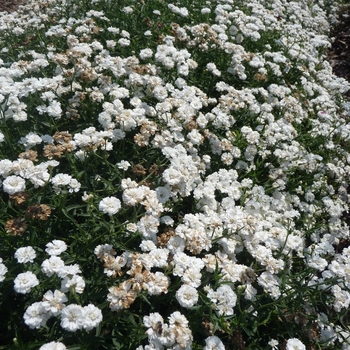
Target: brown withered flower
(38,212)
(19,197)
(191,125)
(139,170)
(62,137)
(164,238)
(16,226)
(53,151)
(30,155)
(156,169)
(121,297)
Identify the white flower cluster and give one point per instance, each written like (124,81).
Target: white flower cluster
(24,282)
(141,278)
(172,335)
(73,317)
(16,172)
(255,161)
(223,299)
(3,270)
(53,346)
(60,180)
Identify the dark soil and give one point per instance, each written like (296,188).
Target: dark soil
(339,53)
(10,5)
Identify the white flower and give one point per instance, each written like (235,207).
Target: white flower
(53,346)
(131,227)
(69,270)
(124,164)
(54,109)
(30,140)
(109,205)
(224,299)
(52,265)
(61,179)
(160,93)
(110,44)
(213,343)
(87,196)
(53,301)
(127,10)
(76,282)
(124,42)
(2,137)
(56,247)
(176,244)
(295,344)
(24,282)
(3,270)
(153,320)
(74,185)
(146,53)
(274,344)
(92,317)
(72,317)
(192,277)
(167,220)
(205,10)
(25,254)
(147,245)
(187,296)
(13,184)
(5,167)
(163,194)
(36,315)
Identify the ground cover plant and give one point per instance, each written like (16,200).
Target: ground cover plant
(173,176)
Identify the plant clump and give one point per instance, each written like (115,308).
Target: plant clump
(173,176)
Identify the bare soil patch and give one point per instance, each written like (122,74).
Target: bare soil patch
(10,5)
(339,53)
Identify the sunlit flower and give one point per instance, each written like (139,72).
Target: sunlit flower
(53,302)
(53,346)
(74,282)
(187,296)
(3,270)
(56,247)
(213,343)
(92,317)
(109,205)
(24,282)
(36,315)
(295,344)
(52,265)
(14,184)
(25,254)
(72,317)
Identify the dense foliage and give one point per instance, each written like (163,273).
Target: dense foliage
(173,176)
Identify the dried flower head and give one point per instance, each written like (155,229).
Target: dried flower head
(16,226)
(53,151)
(62,137)
(139,170)
(139,276)
(191,125)
(121,297)
(30,155)
(156,169)
(38,211)
(19,198)
(163,238)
